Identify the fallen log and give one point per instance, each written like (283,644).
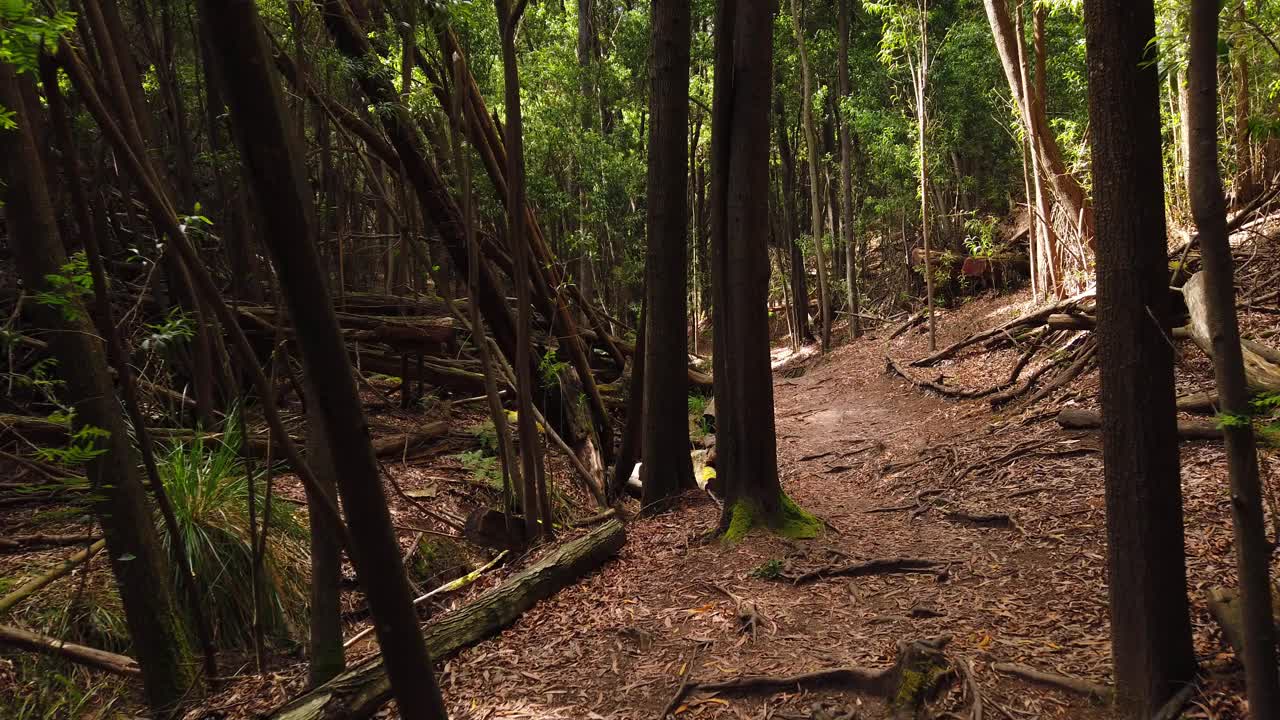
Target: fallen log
(362,690)
(1201,402)
(1261,363)
(79,654)
(410,444)
(1079,419)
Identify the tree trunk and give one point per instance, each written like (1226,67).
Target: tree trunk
(324,652)
(815,189)
(667,468)
(1208,207)
(846,179)
(1246,186)
(155,623)
(362,690)
(1066,187)
(273,163)
(920,81)
(535,494)
(799,306)
(1150,624)
(745,438)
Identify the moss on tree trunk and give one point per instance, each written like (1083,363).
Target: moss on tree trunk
(786,518)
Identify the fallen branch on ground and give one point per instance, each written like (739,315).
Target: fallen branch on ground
(58,571)
(79,654)
(360,691)
(23,542)
(1065,682)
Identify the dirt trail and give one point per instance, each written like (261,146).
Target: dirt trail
(616,644)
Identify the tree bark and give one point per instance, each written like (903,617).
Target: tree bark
(268,147)
(155,623)
(921,81)
(1150,623)
(1208,207)
(78,654)
(667,468)
(745,439)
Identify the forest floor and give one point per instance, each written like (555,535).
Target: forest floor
(861,449)
(885,465)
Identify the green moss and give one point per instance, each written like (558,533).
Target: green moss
(791,521)
(438,561)
(919,681)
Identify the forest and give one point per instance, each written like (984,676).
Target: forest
(673,359)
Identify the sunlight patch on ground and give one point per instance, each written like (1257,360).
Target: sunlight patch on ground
(781,355)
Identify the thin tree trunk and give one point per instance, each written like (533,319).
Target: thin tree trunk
(846,179)
(1246,186)
(799,305)
(1150,622)
(815,189)
(274,165)
(532,469)
(1253,554)
(921,81)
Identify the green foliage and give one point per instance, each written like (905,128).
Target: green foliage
(49,688)
(980,240)
(23,33)
(483,468)
(699,427)
(208,484)
(487,436)
(550,367)
(176,329)
(768,570)
(68,289)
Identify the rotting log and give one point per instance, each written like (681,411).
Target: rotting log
(1079,419)
(362,690)
(1261,363)
(78,654)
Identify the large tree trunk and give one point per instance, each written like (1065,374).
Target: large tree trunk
(1150,623)
(667,468)
(156,626)
(1253,553)
(815,188)
(745,438)
(362,690)
(273,164)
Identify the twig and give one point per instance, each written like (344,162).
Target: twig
(683,688)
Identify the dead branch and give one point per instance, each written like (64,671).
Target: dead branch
(1030,320)
(934,385)
(79,654)
(58,571)
(682,689)
(22,542)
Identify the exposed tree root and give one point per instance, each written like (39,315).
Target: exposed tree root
(920,672)
(878,566)
(1064,682)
